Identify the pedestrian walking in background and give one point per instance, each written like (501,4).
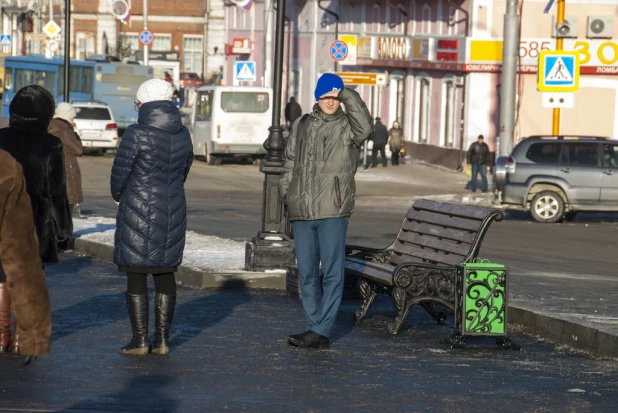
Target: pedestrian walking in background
(395,140)
(62,127)
(380,138)
(478,158)
(20,267)
(148,176)
(41,158)
(317,185)
(293,111)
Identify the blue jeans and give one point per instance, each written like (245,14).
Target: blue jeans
(321,240)
(476,169)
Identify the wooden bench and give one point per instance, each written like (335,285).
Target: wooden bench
(419,267)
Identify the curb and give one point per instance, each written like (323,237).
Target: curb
(193,278)
(591,340)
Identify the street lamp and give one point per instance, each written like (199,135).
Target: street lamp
(272,249)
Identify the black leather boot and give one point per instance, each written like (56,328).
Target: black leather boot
(137,304)
(309,339)
(164,314)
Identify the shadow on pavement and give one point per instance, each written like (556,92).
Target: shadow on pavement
(93,312)
(193,317)
(143,394)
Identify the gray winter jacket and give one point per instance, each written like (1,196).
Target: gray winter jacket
(320,161)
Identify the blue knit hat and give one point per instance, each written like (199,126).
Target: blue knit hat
(327,83)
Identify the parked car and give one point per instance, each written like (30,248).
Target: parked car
(96,126)
(553,177)
(190,79)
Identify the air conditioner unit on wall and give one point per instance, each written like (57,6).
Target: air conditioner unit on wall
(600,27)
(569,28)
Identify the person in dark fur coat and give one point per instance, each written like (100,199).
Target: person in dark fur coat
(148,178)
(41,158)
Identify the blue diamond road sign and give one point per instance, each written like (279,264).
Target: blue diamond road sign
(338,50)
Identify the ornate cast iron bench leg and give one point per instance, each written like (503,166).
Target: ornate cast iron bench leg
(400,301)
(432,309)
(368,295)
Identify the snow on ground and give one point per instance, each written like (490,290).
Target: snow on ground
(404,203)
(202,252)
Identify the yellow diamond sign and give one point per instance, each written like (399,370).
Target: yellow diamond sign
(51,29)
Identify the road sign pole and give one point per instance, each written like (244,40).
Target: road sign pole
(145,28)
(509,79)
(555,124)
(67,50)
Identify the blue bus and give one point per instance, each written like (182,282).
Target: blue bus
(20,71)
(116,85)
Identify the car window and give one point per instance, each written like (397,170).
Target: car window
(93,113)
(610,156)
(543,152)
(574,153)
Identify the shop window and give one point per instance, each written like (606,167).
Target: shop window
(449,94)
(85,45)
(295,79)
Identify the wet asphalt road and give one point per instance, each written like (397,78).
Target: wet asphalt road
(229,353)
(226,201)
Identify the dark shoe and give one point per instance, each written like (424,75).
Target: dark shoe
(137,304)
(309,339)
(5,318)
(164,313)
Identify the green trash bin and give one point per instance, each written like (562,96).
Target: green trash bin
(481,303)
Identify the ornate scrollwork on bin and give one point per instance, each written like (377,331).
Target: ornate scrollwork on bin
(487,292)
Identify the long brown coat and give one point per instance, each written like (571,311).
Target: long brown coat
(19,255)
(72,149)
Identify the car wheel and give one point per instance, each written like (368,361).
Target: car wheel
(547,207)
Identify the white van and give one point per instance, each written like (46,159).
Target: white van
(231,121)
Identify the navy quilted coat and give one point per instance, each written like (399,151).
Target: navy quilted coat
(148,178)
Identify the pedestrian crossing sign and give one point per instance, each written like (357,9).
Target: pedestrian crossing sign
(5,40)
(558,71)
(244,71)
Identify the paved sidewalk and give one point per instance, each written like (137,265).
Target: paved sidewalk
(229,353)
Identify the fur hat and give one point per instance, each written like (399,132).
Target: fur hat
(32,107)
(328,84)
(154,89)
(65,111)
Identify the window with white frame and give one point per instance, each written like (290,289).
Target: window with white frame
(85,46)
(128,44)
(375,17)
(426,19)
(162,43)
(451,20)
(295,82)
(424,102)
(449,103)
(397,21)
(412,15)
(193,54)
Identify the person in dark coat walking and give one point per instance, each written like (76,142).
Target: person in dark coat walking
(395,140)
(148,177)
(62,127)
(41,158)
(379,138)
(478,158)
(293,111)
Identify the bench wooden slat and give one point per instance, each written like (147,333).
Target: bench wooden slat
(380,276)
(425,256)
(443,220)
(463,211)
(441,232)
(435,243)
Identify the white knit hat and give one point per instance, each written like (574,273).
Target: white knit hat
(154,89)
(65,111)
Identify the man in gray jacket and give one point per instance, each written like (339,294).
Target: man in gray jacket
(318,187)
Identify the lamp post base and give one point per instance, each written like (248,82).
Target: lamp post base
(269,251)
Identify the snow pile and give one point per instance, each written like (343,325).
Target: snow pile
(202,252)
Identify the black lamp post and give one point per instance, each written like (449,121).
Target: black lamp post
(271,248)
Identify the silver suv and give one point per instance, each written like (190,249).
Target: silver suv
(553,177)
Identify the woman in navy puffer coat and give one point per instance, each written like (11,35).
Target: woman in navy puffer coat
(147,180)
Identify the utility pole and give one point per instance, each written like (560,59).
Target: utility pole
(67,50)
(145,14)
(268,43)
(509,79)
(555,124)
